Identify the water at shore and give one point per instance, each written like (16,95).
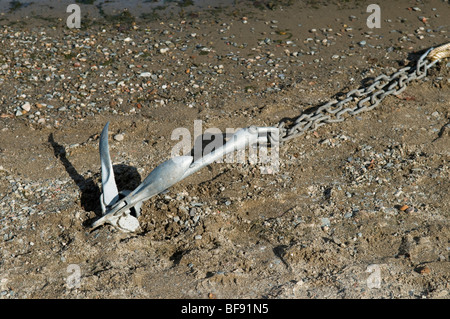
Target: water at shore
(17,10)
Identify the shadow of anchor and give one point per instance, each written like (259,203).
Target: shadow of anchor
(127,177)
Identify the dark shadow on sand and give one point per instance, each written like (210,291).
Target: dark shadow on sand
(126,177)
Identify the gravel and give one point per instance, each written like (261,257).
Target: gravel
(309,231)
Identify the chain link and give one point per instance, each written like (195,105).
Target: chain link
(366,98)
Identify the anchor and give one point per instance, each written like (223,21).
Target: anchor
(117,207)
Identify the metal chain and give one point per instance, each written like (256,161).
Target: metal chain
(367,98)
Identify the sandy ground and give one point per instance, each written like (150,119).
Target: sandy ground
(329,224)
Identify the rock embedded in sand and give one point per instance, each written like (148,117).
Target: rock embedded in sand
(118,137)
(26,107)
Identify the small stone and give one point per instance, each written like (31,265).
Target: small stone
(409,210)
(403,208)
(26,107)
(325,222)
(362,43)
(435,114)
(118,137)
(198,237)
(145,74)
(128,223)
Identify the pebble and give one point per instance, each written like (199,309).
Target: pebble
(325,222)
(409,210)
(399,191)
(119,137)
(435,114)
(26,107)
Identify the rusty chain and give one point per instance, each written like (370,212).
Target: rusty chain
(366,98)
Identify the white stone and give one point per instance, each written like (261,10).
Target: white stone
(128,223)
(26,107)
(118,137)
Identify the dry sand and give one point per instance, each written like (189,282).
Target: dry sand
(322,227)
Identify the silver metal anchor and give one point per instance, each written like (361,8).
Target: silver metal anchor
(118,211)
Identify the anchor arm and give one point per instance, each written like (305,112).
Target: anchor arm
(239,140)
(110,193)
